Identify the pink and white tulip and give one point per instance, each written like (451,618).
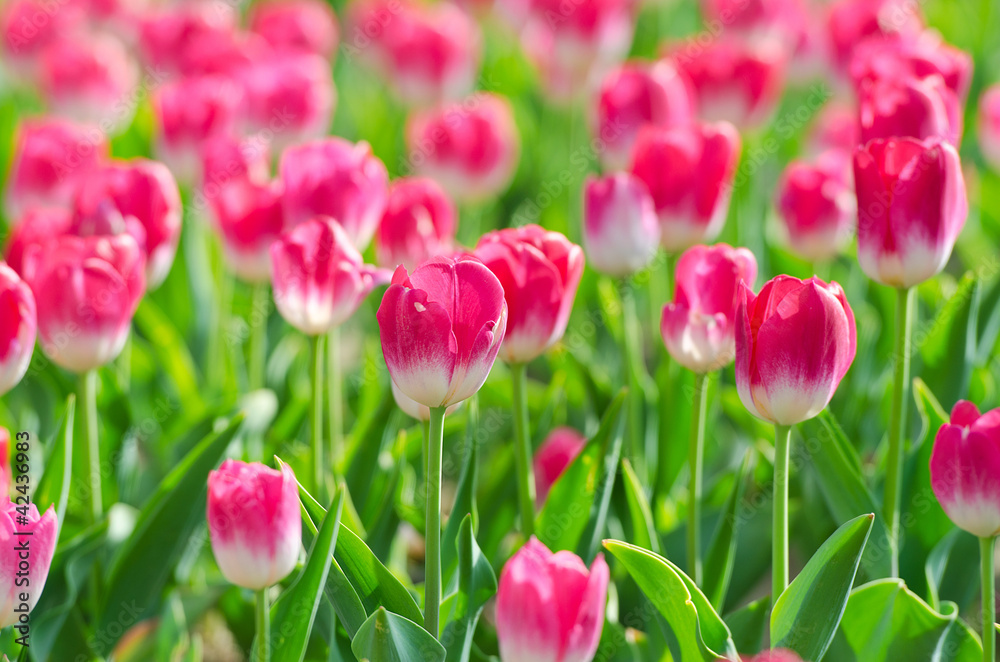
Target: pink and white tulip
(620,229)
(817,206)
(552,458)
(18,330)
(550,606)
(414,409)
(43,532)
(914,57)
(441,329)
(37,226)
(989,125)
(852,22)
(248,216)
(254,522)
(835,128)
(418,223)
(299,26)
(909,108)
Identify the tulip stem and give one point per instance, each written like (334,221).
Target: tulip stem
(696,453)
(987,546)
(263,618)
(632,348)
(522,449)
(88,398)
(336,386)
(432,558)
(897,422)
(316,428)
(258,336)
(779,549)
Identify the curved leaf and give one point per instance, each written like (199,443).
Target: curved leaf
(388,637)
(53,487)
(477,583)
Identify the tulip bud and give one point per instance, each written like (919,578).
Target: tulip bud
(989,125)
(851,22)
(299,26)
(177,39)
(539,271)
(471,147)
(37,226)
(552,458)
(441,329)
(689,173)
(254,522)
(550,606)
(42,532)
(418,223)
(335,178)
(794,343)
(965,469)
(17,332)
(911,208)
(23,36)
(817,206)
(87,290)
(908,108)
(699,325)
(920,57)
(414,409)
(620,228)
(633,96)
(249,218)
(835,128)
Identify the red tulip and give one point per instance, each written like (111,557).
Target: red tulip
(540,271)
(835,128)
(919,57)
(193,40)
(27,27)
(37,226)
(776,655)
(226,159)
(339,179)
(909,108)
(418,223)
(552,458)
(17,333)
(989,125)
(965,469)
(689,173)
(471,148)
(550,606)
(254,522)
(817,205)
(699,325)
(785,22)
(16,580)
(441,329)
(300,26)
(248,216)
(620,228)
(851,22)
(87,290)
(632,96)
(794,343)
(911,208)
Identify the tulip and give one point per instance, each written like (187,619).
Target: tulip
(689,172)
(909,108)
(471,147)
(919,57)
(42,532)
(776,655)
(851,22)
(835,129)
(965,477)
(335,178)
(191,39)
(620,231)
(989,126)
(817,206)
(418,223)
(300,26)
(633,96)
(37,226)
(6,477)
(553,457)
(17,332)
(50,156)
(27,27)
(249,218)
(414,409)
(783,21)
(550,606)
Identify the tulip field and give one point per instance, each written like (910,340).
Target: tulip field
(510,330)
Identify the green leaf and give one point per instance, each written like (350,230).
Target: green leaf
(722,552)
(293,614)
(949,349)
(806,615)
(476,585)
(171,351)
(465,496)
(144,562)
(748,625)
(567,510)
(388,637)
(53,487)
(643,530)
(699,632)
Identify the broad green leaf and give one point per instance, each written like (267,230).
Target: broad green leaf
(722,552)
(144,562)
(698,631)
(748,625)
(476,585)
(949,348)
(643,529)
(806,615)
(53,487)
(389,637)
(293,614)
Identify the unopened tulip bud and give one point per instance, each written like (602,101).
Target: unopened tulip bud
(620,228)
(18,329)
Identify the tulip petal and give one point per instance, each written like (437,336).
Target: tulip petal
(964,469)
(585,635)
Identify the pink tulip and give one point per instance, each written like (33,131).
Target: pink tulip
(418,223)
(632,96)
(965,469)
(817,206)
(441,329)
(539,271)
(50,156)
(196,40)
(620,228)
(87,290)
(911,208)
(851,22)
(699,325)
(226,159)
(144,193)
(414,409)
(27,27)
(835,128)
(300,26)
(550,606)
(37,226)
(689,172)
(785,22)
(17,332)
(471,148)
(989,125)
(794,343)
(919,57)
(249,218)
(6,476)
(776,655)
(254,522)
(909,108)
(339,179)
(43,532)
(555,454)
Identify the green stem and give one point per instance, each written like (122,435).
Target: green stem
(263,621)
(88,399)
(987,546)
(336,386)
(432,559)
(897,422)
(522,449)
(696,453)
(779,549)
(316,427)
(258,336)
(632,349)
